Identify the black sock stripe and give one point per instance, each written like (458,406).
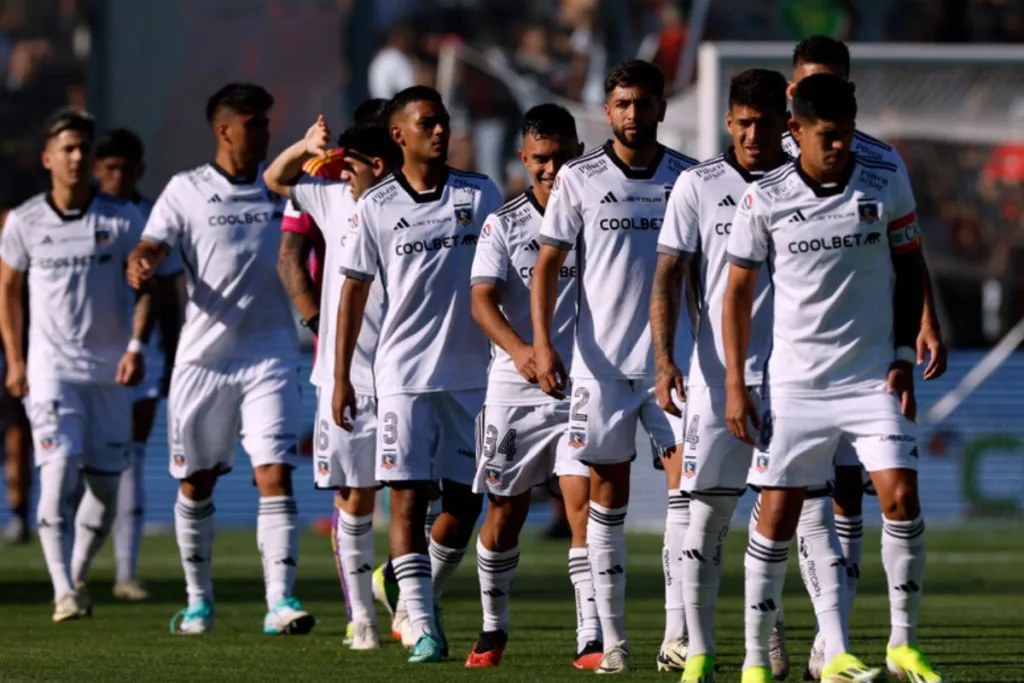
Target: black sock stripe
(194,513)
(769,560)
(356,529)
(498,567)
(768,550)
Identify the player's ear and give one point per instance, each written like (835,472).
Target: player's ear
(44,158)
(790,89)
(794,127)
(608,113)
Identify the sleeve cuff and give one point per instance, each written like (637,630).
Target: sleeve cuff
(676,253)
(485,280)
(357,275)
(744,262)
(556,243)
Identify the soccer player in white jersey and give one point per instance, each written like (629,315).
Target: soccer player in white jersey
(823,54)
(343,461)
(839,235)
(609,205)
(118,169)
(692,247)
(235,370)
(68,246)
(523,429)
(417,231)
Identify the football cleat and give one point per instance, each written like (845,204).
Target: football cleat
(589,658)
(67,607)
(487,650)
(672,655)
(616,660)
(846,668)
(427,649)
(364,636)
(777,653)
(84,599)
(196,619)
(757,674)
(350,633)
(288,618)
(401,628)
(385,592)
(908,663)
(130,590)
(816,661)
(699,669)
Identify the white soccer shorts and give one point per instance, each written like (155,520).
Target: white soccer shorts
(519,447)
(714,460)
(345,459)
(846,456)
(799,435)
(211,405)
(428,437)
(604,416)
(81,420)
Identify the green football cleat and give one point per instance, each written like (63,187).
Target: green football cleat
(908,663)
(428,649)
(846,668)
(699,669)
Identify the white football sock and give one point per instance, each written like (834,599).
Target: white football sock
(93,521)
(58,481)
(444,561)
(414,584)
(342,578)
(823,572)
(131,514)
(765,565)
(588,624)
(903,556)
(677,519)
(193,529)
(702,567)
(277,535)
(606,544)
(495,571)
(851,541)
(355,552)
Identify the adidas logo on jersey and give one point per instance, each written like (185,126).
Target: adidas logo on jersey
(532,245)
(401,224)
(728,201)
(215,199)
(609,199)
(797,217)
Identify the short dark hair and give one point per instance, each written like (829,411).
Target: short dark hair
(120,142)
(371,111)
(762,89)
(822,50)
(635,72)
(824,96)
(415,93)
(549,119)
(371,140)
(239,98)
(69,119)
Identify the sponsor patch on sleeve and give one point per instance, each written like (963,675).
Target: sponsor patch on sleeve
(904,236)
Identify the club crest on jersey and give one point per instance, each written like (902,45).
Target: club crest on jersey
(322,467)
(577,439)
(762,462)
(486,232)
(493,475)
(867,211)
(178,459)
(48,443)
(102,237)
(689,468)
(464,214)
(387,461)
(748,201)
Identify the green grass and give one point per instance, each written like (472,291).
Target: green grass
(972,621)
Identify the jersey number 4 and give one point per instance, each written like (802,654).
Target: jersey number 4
(507,447)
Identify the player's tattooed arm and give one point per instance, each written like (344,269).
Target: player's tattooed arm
(666,295)
(486,299)
(12,328)
(351,306)
(285,170)
(291,268)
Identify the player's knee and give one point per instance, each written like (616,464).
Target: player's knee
(901,503)
(459,501)
(357,502)
(609,485)
(505,517)
(199,485)
(848,497)
(274,480)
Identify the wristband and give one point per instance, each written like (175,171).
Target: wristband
(906,354)
(136,346)
(313,324)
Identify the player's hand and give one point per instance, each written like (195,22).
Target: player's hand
(901,384)
(551,374)
(526,364)
(929,341)
(344,397)
(140,270)
(741,412)
(131,369)
(318,138)
(17,380)
(669,378)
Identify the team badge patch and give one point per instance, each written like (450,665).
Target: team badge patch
(867,211)
(748,200)
(577,439)
(486,232)
(322,467)
(387,461)
(493,476)
(48,443)
(178,459)
(102,237)
(464,214)
(762,462)
(689,468)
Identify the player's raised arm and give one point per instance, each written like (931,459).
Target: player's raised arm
(13,267)
(283,171)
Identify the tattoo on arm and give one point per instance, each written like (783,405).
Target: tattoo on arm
(295,276)
(666,294)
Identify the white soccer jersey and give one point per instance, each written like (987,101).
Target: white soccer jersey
(506,255)
(612,213)
(421,245)
(697,225)
(332,206)
(864,146)
(77,290)
(227,231)
(828,250)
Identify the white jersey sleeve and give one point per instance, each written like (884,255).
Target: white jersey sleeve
(167,219)
(680,233)
(748,243)
(309,194)
(490,262)
(563,217)
(361,245)
(13,250)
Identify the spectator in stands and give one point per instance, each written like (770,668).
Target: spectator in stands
(393,69)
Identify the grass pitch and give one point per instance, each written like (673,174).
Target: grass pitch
(972,621)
